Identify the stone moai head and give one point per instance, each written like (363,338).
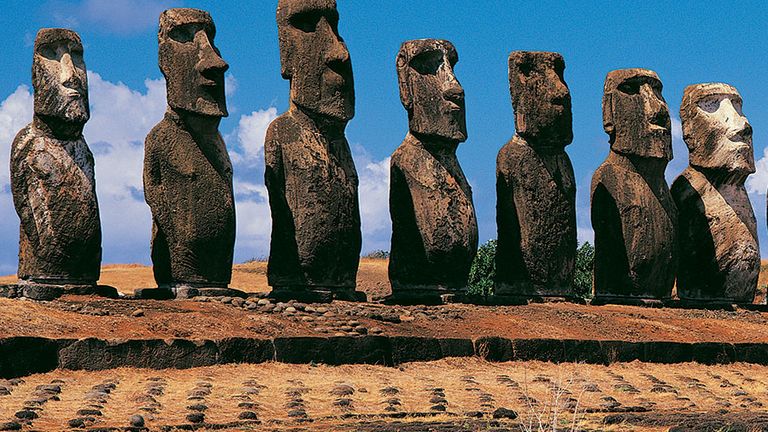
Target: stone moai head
(540,98)
(191,63)
(429,89)
(635,114)
(715,129)
(315,58)
(59,76)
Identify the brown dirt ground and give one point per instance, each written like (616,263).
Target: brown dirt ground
(83,316)
(574,396)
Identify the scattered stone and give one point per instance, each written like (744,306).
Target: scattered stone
(89,412)
(136,421)
(440,408)
(248,415)
(10,426)
(297,413)
(197,407)
(76,423)
(138,313)
(504,413)
(26,414)
(196,417)
(248,405)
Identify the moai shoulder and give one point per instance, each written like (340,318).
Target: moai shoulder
(719,253)
(434,228)
(535,185)
(633,214)
(310,174)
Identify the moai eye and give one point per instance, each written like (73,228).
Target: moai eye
(710,104)
(184,33)
(427,62)
(48,52)
(306,21)
(630,87)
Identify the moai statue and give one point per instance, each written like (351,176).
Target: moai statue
(310,175)
(719,254)
(633,214)
(187,171)
(434,229)
(52,176)
(535,185)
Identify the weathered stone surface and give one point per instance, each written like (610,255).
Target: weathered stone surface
(310,175)
(719,253)
(52,171)
(434,228)
(633,214)
(535,185)
(187,171)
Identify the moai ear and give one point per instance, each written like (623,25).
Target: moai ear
(403,75)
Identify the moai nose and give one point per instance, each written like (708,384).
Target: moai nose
(67,73)
(210,60)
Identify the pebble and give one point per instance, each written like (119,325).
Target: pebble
(361,330)
(343,390)
(4,391)
(89,412)
(136,421)
(196,417)
(290,309)
(502,412)
(10,426)
(76,423)
(263,302)
(226,300)
(197,407)
(297,413)
(375,330)
(247,405)
(26,415)
(238,302)
(248,415)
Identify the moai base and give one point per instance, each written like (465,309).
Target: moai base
(52,179)
(535,185)
(187,171)
(434,228)
(310,175)
(719,253)
(633,214)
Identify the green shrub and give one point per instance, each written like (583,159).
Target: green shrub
(377,254)
(582,279)
(483,270)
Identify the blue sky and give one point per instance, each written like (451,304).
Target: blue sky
(684,42)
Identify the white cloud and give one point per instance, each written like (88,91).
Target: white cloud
(113,16)
(15,113)
(679,151)
(250,133)
(757,183)
(374,200)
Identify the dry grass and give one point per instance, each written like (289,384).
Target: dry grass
(462,381)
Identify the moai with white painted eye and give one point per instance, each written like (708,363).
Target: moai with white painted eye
(633,213)
(434,228)
(719,253)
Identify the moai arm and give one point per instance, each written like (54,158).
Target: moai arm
(154,160)
(612,267)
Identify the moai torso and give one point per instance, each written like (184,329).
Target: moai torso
(188,186)
(310,175)
(535,185)
(434,228)
(312,185)
(187,171)
(633,214)
(719,253)
(52,171)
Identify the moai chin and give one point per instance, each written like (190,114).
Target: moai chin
(52,173)
(187,171)
(434,228)
(719,254)
(535,185)
(633,214)
(310,175)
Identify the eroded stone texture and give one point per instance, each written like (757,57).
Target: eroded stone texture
(52,171)
(633,214)
(187,171)
(310,175)
(434,228)
(535,185)
(719,254)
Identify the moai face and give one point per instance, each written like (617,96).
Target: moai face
(715,129)
(59,76)
(429,89)
(541,99)
(315,58)
(191,63)
(635,115)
